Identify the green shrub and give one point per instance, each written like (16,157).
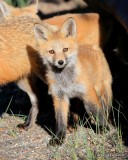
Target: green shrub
(17,3)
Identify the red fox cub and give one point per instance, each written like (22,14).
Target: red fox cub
(74,71)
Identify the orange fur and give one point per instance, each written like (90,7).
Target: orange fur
(18,47)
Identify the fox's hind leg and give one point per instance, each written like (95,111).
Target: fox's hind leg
(94,108)
(105,96)
(28,85)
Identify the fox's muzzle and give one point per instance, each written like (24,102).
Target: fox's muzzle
(60,63)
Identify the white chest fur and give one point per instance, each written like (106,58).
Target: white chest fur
(65,84)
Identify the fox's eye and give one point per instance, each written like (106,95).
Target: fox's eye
(65,49)
(51,51)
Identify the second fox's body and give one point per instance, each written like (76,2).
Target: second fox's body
(16,42)
(18,49)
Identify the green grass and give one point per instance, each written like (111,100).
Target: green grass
(13,132)
(85,144)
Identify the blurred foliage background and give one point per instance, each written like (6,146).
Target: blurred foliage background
(18,3)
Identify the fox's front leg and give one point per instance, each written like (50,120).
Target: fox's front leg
(61,106)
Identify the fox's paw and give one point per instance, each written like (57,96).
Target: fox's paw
(58,139)
(55,142)
(23,126)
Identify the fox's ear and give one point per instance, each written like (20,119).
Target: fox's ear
(41,32)
(68,28)
(4,9)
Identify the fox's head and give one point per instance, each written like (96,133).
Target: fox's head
(57,49)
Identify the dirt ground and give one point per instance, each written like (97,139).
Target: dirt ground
(82,144)
(33,144)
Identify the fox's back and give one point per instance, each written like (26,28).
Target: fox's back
(15,30)
(21,26)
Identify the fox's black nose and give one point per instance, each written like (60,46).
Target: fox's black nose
(60,62)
